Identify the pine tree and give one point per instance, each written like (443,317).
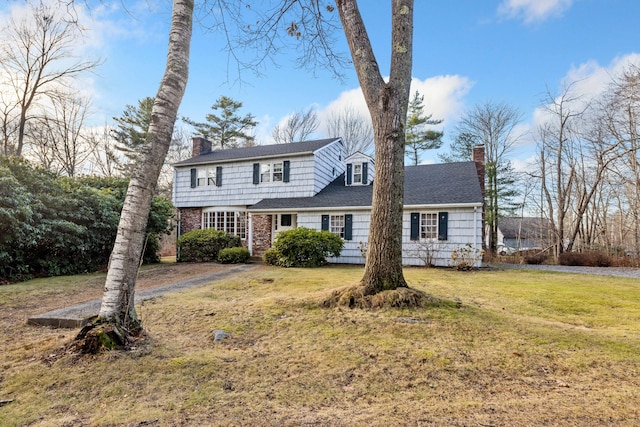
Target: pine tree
(130,132)
(227,130)
(417,137)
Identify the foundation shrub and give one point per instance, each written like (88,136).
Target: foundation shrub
(205,245)
(234,255)
(304,247)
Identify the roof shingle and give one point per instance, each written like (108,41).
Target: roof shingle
(257,152)
(438,184)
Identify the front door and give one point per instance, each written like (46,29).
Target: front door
(283,222)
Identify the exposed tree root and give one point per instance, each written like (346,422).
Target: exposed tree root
(99,335)
(354,297)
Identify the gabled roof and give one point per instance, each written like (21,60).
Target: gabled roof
(439,184)
(258,152)
(523,228)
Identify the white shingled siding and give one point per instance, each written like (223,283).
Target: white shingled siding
(237,184)
(329,164)
(460,232)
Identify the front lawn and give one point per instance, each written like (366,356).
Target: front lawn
(514,348)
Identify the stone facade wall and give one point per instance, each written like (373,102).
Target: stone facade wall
(190,219)
(261,234)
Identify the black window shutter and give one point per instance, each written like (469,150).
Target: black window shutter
(349,168)
(325,222)
(348,227)
(218,176)
(415,225)
(256,173)
(443,218)
(365,167)
(286,166)
(194,178)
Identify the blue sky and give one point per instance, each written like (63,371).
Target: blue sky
(465,52)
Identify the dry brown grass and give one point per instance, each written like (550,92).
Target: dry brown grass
(520,348)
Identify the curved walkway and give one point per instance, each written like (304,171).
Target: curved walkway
(601,271)
(79,315)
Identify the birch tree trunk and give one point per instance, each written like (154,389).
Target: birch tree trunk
(118,297)
(387,103)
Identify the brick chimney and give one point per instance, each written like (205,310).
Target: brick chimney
(201,145)
(478,158)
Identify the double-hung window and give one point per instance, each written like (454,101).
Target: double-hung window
(277,172)
(337,225)
(206,176)
(340,225)
(271,172)
(357,174)
(429,225)
(265,172)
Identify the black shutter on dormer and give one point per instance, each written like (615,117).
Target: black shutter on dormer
(349,172)
(365,167)
(415,226)
(218,176)
(194,177)
(286,166)
(256,173)
(325,222)
(443,219)
(348,227)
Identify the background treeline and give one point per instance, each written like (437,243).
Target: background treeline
(51,225)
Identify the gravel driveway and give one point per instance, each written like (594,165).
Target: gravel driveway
(601,271)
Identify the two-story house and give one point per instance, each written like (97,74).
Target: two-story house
(257,192)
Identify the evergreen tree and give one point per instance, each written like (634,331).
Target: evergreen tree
(130,132)
(417,137)
(227,130)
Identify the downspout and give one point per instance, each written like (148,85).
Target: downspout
(475,232)
(250,243)
(178,233)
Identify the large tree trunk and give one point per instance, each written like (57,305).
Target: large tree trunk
(387,103)
(118,298)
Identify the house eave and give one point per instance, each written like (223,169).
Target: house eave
(241,159)
(361,208)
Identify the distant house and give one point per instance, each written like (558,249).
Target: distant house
(523,233)
(258,192)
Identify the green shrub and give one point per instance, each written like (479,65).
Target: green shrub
(204,245)
(51,225)
(270,257)
(234,255)
(305,247)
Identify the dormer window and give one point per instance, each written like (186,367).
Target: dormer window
(357,174)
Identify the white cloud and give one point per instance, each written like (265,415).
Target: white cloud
(587,82)
(443,98)
(531,11)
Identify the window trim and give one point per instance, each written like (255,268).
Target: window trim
(234,222)
(266,172)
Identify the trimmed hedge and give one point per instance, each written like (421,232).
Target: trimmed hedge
(303,247)
(234,255)
(204,245)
